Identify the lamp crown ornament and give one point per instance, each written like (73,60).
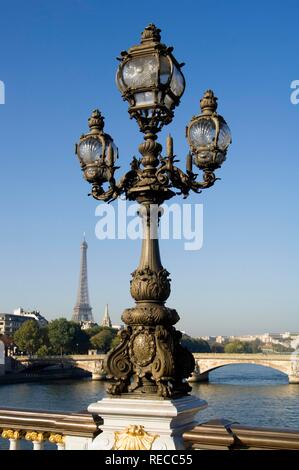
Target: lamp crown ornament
(150,33)
(96,121)
(208,102)
(149,358)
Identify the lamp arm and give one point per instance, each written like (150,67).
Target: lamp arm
(185,182)
(209,179)
(116,189)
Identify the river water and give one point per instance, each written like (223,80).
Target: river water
(247,394)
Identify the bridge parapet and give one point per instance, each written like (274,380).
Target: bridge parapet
(77,431)
(66,431)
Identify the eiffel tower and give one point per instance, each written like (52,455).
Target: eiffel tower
(82,310)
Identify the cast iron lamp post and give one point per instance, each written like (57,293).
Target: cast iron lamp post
(150,359)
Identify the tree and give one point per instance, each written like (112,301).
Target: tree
(43,351)
(281,348)
(115,342)
(236,347)
(103,340)
(217,348)
(80,342)
(254,347)
(195,345)
(62,334)
(28,337)
(94,330)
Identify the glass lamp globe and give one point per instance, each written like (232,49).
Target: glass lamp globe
(150,79)
(96,150)
(208,135)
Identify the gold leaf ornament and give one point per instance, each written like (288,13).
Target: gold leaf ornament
(12,434)
(134,437)
(56,438)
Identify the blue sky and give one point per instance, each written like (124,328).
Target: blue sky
(57,60)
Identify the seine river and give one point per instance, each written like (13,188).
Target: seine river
(246,394)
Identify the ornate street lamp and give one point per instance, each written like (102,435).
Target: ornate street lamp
(150,359)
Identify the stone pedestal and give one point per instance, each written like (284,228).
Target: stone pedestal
(144,424)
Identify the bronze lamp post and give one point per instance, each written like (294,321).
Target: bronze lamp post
(149,358)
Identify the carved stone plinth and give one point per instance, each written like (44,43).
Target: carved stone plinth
(144,424)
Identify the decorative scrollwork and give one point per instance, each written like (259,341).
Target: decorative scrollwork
(118,365)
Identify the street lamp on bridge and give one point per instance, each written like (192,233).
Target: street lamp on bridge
(150,361)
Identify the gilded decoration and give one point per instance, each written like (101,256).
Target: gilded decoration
(56,439)
(134,437)
(12,434)
(36,436)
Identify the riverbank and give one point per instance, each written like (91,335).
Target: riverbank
(61,374)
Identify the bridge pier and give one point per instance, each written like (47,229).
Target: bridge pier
(197,377)
(293,379)
(98,376)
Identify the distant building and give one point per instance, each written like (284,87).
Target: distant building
(31,315)
(284,339)
(106,320)
(209,339)
(220,339)
(85,325)
(11,322)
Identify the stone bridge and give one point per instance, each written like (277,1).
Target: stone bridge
(204,363)
(90,363)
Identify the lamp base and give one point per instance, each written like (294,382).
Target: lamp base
(144,424)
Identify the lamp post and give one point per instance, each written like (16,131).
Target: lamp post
(150,361)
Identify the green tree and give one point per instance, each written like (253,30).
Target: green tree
(281,348)
(195,345)
(28,337)
(94,330)
(217,348)
(80,343)
(253,347)
(43,351)
(62,334)
(103,340)
(237,347)
(115,341)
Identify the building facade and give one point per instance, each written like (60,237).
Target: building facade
(11,322)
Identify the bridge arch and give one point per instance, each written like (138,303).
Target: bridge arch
(220,366)
(206,363)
